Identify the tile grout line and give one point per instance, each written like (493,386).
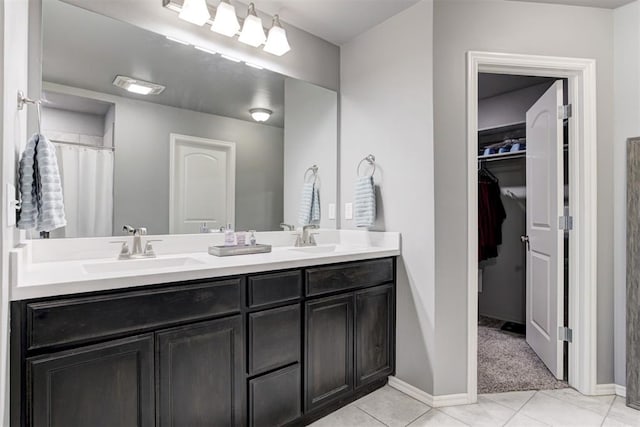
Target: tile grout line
(571,402)
(380,421)
(521,406)
(420,416)
(608,410)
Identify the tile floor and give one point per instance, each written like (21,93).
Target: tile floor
(565,407)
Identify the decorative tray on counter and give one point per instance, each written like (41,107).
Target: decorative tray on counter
(239,250)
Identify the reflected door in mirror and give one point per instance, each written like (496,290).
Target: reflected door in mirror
(202,187)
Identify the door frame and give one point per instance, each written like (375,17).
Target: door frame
(230,147)
(581,74)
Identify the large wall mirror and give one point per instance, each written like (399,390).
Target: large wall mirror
(191,158)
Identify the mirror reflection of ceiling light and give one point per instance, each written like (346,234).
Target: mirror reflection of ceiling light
(257,67)
(230,58)
(260,114)
(204,49)
(226,21)
(136,86)
(277,43)
(173,39)
(195,11)
(252,31)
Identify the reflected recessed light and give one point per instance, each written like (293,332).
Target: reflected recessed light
(260,114)
(204,49)
(136,86)
(173,39)
(257,67)
(230,58)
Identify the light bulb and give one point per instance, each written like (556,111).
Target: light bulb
(226,21)
(277,43)
(260,114)
(252,31)
(195,11)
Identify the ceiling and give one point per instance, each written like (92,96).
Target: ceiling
(195,80)
(606,4)
(337,21)
(496,84)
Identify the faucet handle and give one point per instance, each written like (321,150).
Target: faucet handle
(287,227)
(312,240)
(148,248)
(124,249)
(298,242)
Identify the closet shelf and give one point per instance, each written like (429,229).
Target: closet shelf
(504,156)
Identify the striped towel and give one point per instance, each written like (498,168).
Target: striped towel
(309,212)
(365,202)
(40,187)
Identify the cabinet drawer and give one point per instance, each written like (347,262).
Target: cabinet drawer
(274,338)
(272,288)
(275,398)
(323,280)
(72,320)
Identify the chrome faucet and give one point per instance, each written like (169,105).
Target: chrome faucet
(307,239)
(137,250)
(287,227)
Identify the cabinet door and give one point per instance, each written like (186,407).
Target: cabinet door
(374,334)
(102,385)
(328,350)
(274,399)
(200,374)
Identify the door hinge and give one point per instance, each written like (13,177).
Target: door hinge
(566,222)
(565,334)
(565,112)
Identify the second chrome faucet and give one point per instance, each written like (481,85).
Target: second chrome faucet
(136,250)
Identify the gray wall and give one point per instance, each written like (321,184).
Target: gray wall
(508,108)
(386,110)
(514,27)
(311,58)
(627,124)
(310,137)
(141,181)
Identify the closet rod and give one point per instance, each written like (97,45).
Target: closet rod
(80,144)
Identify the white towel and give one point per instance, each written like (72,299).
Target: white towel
(40,188)
(309,212)
(365,202)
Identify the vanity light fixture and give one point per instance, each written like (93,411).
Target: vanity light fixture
(230,58)
(226,21)
(195,11)
(277,43)
(173,39)
(252,31)
(139,87)
(260,114)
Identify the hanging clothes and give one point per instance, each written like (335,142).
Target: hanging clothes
(491,215)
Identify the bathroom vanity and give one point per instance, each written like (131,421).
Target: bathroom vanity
(267,348)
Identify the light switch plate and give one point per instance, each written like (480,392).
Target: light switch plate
(348,211)
(332,211)
(11,205)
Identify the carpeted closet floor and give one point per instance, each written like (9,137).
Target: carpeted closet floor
(507,363)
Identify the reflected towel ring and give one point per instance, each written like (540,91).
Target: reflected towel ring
(314,172)
(371,159)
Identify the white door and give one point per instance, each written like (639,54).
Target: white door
(202,184)
(545,300)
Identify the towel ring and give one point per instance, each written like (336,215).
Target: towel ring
(371,159)
(314,172)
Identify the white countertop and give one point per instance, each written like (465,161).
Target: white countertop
(37,273)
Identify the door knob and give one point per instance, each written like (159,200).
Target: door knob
(525,239)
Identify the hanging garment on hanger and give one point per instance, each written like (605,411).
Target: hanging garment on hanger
(491,215)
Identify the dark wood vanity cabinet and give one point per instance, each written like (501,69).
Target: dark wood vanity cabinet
(266,349)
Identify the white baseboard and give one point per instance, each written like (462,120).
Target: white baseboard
(428,399)
(607,389)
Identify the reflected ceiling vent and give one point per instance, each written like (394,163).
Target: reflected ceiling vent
(136,86)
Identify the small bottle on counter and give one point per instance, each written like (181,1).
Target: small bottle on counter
(252,237)
(241,238)
(229,236)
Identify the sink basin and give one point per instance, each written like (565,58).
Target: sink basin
(316,249)
(139,264)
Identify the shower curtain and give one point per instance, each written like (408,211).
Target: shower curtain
(87,187)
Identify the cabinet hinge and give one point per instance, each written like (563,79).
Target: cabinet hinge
(566,222)
(565,334)
(565,112)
